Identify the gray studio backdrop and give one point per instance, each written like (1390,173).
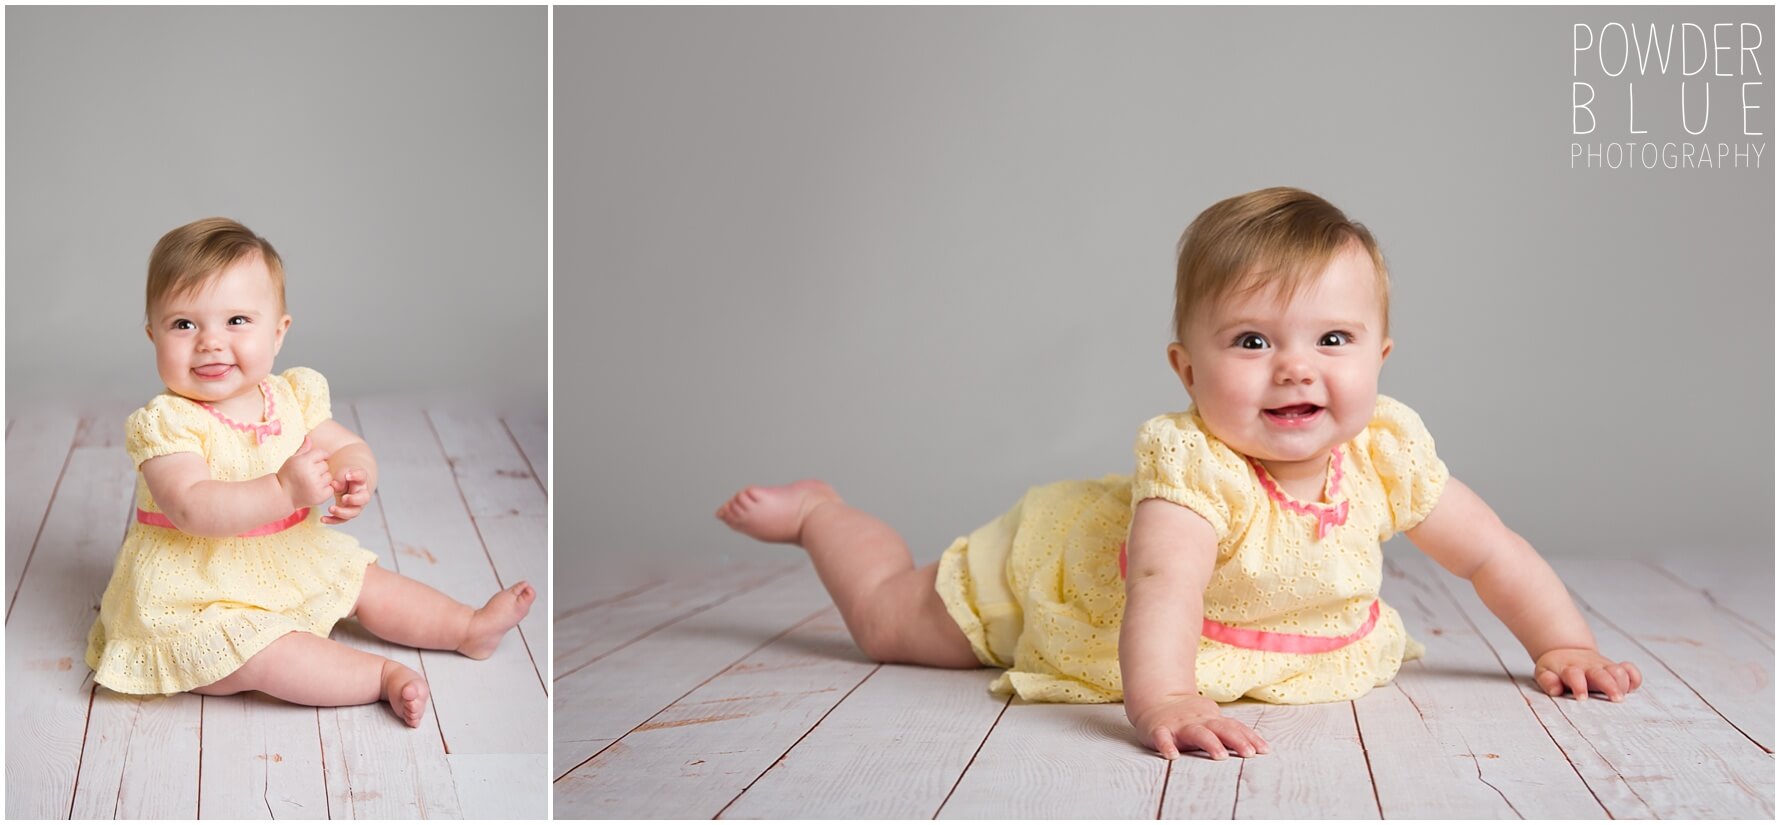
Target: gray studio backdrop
(926,254)
(396,157)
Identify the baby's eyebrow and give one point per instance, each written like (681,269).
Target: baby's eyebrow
(1257,322)
(1242,322)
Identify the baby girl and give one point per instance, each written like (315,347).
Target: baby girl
(228,579)
(1256,516)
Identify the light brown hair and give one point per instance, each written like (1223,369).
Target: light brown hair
(1279,238)
(188,257)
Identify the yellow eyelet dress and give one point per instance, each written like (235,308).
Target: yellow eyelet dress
(184,611)
(1292,613)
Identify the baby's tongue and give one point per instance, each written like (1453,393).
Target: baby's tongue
(1296,409)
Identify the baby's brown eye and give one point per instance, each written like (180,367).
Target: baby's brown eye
(1335,339)
(184,324)
(1250,340)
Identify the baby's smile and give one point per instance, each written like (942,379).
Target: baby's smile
(212,372)
(1294,416)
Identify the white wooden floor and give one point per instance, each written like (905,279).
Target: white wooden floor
(738,694)
(460,506)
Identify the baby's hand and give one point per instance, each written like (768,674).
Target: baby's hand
(1196,721)
(351,494)
(1582,670)
(304,476)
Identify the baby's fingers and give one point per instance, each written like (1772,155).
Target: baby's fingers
(1236,736)
(1163,740)
(341,514)
(1632,672)
(1577,681)
(1206,740)
(1257,745)
(1549,682)
(353,479)
(1603,680)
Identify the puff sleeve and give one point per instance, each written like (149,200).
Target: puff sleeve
(1178,461)
(166,426)
(1402,454)
(311,391)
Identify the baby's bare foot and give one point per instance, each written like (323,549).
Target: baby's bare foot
(775,514)
(406,691)
(491,623)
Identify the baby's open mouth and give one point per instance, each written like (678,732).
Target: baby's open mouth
(213,370)
(1295,411)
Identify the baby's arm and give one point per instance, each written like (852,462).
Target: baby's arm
(202,506)
(1467,538)
(1169,560)
(353,467)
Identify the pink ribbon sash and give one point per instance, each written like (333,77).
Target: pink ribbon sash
(279,526)
(1287,642)
(1275,642)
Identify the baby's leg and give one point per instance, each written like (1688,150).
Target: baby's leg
(407,612)
(889,606)
(305,669)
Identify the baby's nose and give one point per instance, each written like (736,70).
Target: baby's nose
(1294,371)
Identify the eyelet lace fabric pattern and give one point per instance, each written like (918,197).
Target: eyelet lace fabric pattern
(183,611)
(1044,597)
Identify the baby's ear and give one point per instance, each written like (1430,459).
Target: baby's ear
(1181,365)
(149,330)
(278,339)
(1388,343)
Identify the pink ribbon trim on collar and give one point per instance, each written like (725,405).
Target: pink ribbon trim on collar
(260,431)
(279,526)
(1326,516)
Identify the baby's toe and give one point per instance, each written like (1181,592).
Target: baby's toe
(414,696)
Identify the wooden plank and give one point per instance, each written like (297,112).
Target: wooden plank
(502,786)
(508,508)
(261,759)
(493,475)
(531,431)
(37,450)
(1060,761)
(519,545)
(892,749)
(47,680)
(377,767)
(1729,665)
(691,759)
(602,627)
(1202,788)
(141,758)
(599,704)
(575,597)
(1317,769)
(1661,754)
(436,543)
(1451,736)
(1744,591)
